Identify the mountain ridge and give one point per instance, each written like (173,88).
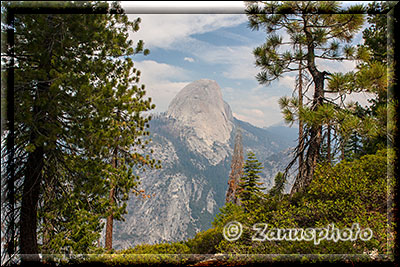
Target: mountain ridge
(191,185)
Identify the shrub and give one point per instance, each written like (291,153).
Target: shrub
(350,192)
(205,242)
(162,248)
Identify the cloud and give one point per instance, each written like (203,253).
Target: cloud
(288,81)
(163,81)
(189,59)
(168,31)
(175,32)
(161,70)
(237,61)
(361,98)
(178,7)
(249,118)
(335,66)
(256,107)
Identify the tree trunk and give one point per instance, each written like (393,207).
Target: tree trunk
(33,176)
(301,132)
(110,217)
(29,206)
(306,172)
(10,189)
(32,183)
(328,152)
(110,222)
(48,227)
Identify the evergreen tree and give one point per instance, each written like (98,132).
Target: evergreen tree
(78,110)
(373,75)
(250,186)
(376,73)
(353,148)
(316,31)
(279,185)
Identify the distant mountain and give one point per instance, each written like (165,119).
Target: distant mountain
(286,132)
(194,140)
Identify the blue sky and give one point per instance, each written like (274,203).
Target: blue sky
(188,47)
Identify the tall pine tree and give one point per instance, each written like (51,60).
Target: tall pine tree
(78,109)
(316,31)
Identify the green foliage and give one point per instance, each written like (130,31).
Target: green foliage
(305,27)
(317,31)
(353,147)
(157,254)
(162,248)
(279,185)
(372,76)
(205,242)
(250,189)
(376,36)
(79,108)
(229,212)
(350,192)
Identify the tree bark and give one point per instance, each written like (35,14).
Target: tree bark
(301,132)
(110,217)
(110,222)
(306,172)
(29,206)
(329,144)
(33,178)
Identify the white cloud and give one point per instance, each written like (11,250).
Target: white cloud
(257,107)
(161,70)
(250,119)
(237,61)
(335,66)
(169,31)
(174,31)
(186,5)
(361,98)
(189,59)
(160,80)
(287,81)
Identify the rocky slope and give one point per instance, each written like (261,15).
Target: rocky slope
(194,141)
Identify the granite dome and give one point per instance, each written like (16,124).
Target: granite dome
(199,105)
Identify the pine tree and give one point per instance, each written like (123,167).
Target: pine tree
(318,28)
(373,75)
(250,186)
(236,171)
(77,103)
(279,185)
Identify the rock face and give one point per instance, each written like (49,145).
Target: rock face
(194,140)
(199,107)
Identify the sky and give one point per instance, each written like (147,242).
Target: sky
(187,47)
